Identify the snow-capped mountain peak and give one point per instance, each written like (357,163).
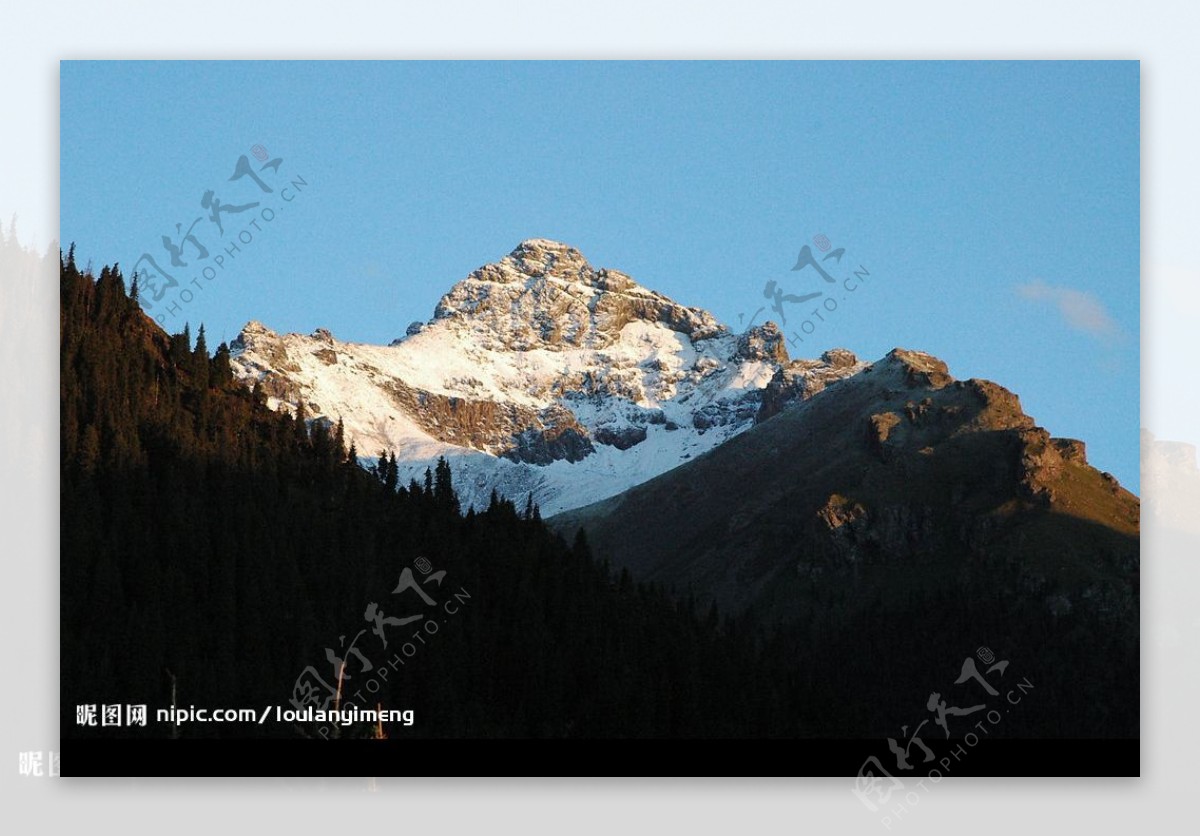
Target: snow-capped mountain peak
(540,374)
(545,295)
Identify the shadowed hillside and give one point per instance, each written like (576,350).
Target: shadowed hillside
(890,514)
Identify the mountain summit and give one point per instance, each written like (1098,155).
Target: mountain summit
(544,294)
(541,374)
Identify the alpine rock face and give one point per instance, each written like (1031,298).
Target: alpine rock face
(541,375)
(895,479)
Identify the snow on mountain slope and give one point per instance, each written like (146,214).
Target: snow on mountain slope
(540,374)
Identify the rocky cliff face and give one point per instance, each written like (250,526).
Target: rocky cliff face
(541,374)
(544,295)
(799,380)
(898,475)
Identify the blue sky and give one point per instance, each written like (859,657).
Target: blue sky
(994,204)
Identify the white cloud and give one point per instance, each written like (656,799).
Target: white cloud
(1081,311)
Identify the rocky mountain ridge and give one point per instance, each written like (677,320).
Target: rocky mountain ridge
(899,475)
(541,375)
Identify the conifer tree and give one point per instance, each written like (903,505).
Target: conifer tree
(392,474)
(443,489)
(339,440)
(200,360)
(222,370)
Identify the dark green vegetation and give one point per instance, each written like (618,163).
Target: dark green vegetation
(210,537)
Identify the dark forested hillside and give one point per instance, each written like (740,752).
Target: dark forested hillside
(222,548)
(212,540)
